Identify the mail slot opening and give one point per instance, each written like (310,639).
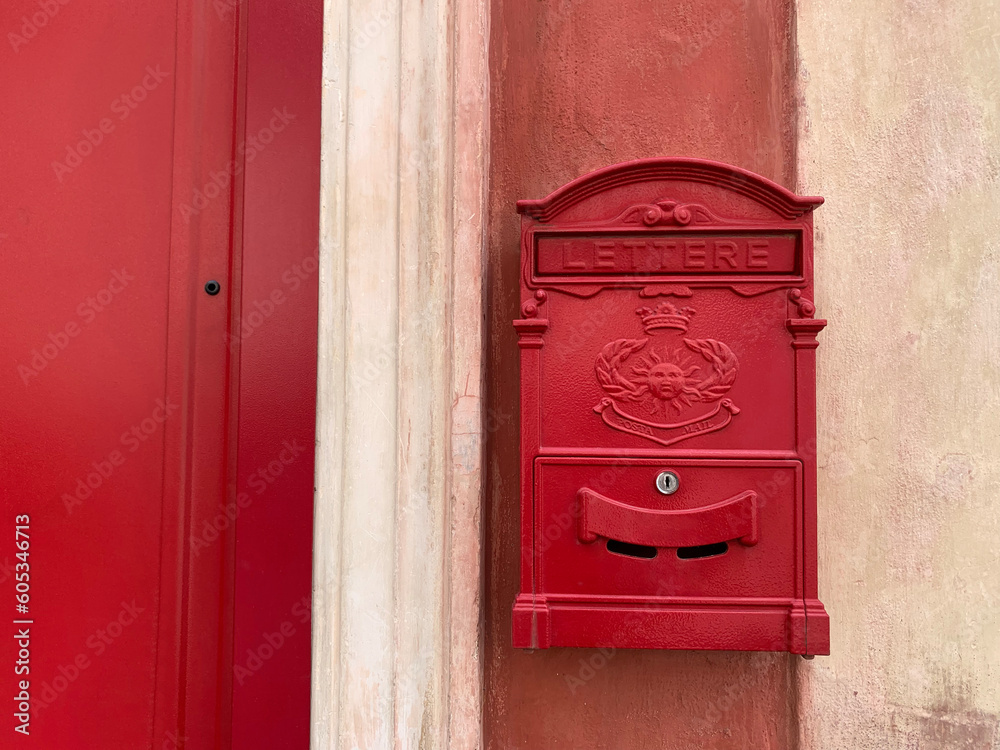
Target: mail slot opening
(631,550)
(702,550)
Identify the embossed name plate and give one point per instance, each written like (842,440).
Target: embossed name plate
(646,254)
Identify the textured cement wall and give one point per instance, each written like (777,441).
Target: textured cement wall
(899,131)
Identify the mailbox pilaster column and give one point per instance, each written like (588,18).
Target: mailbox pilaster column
(530,624)
(810,625)
(396,623)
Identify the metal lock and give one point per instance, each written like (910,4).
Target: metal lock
(667,483)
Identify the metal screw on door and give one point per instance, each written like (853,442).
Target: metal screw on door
(667,482)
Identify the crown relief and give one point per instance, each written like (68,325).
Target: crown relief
(665,315)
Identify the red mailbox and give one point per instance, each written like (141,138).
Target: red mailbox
(668,461)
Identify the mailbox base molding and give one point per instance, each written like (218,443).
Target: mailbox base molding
(810,628)
(694,624)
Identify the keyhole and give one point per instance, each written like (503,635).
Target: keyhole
(667,482)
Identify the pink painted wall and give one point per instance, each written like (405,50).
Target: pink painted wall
(576,86)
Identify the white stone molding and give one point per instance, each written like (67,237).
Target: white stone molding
(397,573)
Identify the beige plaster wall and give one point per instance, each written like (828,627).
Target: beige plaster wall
(899,131)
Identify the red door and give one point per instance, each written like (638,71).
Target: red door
(158,241)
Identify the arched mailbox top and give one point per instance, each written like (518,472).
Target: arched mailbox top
(668,221)
(760,190)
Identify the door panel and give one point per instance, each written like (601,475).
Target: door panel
(133,412)
(89,404)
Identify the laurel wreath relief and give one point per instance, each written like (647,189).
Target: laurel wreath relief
(608,362)
(721,376)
